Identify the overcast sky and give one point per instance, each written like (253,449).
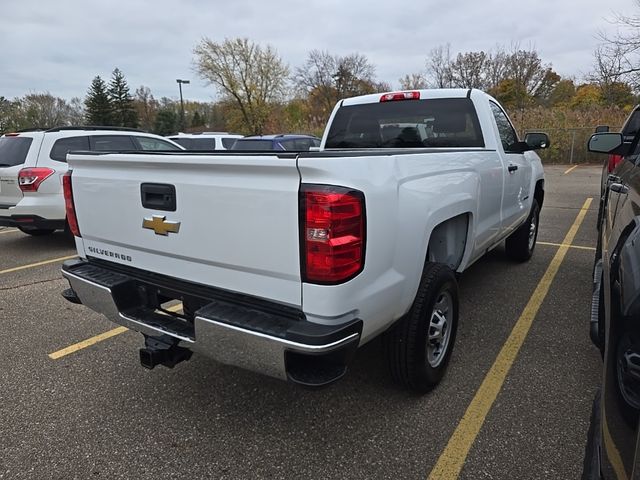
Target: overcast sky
(59,46)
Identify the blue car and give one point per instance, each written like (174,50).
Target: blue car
(296,143)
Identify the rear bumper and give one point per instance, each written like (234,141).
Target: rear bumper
(253,334)
(32,221)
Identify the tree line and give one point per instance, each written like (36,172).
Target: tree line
(260,93)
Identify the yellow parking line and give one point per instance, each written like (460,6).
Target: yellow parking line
(37,264)
(613,454)
(455,453)
(579,247)
(97,339)
(13,230)
(569,170)
(87,343)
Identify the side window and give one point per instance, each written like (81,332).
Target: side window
(203,144)
(185,142)
(111,143)
(149,143)
(228,142)
(508,135)
(65,145)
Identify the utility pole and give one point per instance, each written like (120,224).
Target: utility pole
(180,82)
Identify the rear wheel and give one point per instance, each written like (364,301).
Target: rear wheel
(419,346)
(36,232)
(522,242)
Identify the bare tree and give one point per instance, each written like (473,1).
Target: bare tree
(146,106)
(327,78)
(439,63)
(252,76)
(618,58)
(414,81)
(469,70)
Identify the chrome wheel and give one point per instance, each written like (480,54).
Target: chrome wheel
(439,331)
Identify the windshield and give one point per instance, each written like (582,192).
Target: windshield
(447,122)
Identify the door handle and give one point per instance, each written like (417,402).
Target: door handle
(619,188)
(512,168)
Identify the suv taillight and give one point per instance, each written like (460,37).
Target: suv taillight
(72,220)
(333,233)
(614,160)
(29,179)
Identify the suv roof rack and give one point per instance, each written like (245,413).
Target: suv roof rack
(25,130)
(95,127)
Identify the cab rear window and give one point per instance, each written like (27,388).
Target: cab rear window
(13,150)
(441,122)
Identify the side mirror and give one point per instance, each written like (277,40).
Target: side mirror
(602,128)
(605,142)
(537,140)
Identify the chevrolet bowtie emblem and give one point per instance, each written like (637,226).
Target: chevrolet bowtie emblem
(160,225)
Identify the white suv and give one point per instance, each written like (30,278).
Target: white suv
(32,164)
(206,141)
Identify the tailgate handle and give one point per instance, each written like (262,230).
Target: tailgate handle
(158,196)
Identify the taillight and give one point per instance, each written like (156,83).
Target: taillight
(614,160)
(395,96)
(333,233)
(29,179)
(72,220)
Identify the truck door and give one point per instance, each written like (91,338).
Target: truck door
(517,173)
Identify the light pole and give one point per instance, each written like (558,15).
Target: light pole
(180,82)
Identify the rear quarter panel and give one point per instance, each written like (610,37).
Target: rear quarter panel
(406,197)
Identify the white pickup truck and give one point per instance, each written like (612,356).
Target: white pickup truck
(285,263)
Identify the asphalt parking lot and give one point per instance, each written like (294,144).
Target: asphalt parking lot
(519,412)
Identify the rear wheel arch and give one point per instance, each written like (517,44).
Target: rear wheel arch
(538,193)
(448,241)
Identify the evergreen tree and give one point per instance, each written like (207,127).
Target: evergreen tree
(197,120)
(124,112)
(166,122)
(98,104)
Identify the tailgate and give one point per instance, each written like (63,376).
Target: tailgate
(237,216)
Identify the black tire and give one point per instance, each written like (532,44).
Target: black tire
(406,344)
(521,243)
(36,232)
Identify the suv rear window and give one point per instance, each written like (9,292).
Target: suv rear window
(241,144)
(65,145)
(155,144)
(111,143)
(228,142)
(438,122)
(13,150)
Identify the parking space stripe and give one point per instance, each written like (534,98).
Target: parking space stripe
(613,453)
(87,343)
(97,339)
(13,230)
(37,264)
(569,170)
(455,453)
(579,247)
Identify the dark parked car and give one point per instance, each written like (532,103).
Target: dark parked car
(613,449)
(629,129)
(277,142)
